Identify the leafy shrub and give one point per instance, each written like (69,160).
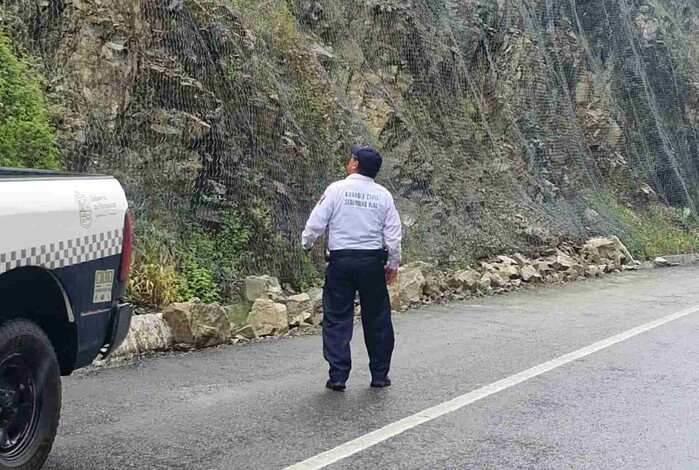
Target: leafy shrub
(26,138)
(153,281)
(212,263)
(197,281)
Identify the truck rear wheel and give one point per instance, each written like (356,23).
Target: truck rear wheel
(30,395)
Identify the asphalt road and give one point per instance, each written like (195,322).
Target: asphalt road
(263,406)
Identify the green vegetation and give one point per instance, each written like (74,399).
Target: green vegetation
(212,263)
(655,231)
(154,281)
(660,231)
(208,266)
(26,138)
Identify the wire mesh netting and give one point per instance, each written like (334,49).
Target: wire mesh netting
(506,125)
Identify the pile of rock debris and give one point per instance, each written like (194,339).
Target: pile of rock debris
(276,311)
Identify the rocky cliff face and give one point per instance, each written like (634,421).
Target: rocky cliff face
(506,125)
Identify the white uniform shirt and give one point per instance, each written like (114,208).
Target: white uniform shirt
(359,215)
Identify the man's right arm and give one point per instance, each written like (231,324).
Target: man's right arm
(318,221)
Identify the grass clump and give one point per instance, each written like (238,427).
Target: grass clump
(655,230)
(153,281)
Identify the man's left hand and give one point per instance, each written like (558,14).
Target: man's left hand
(391,276)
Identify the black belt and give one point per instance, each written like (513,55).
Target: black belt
(343,254)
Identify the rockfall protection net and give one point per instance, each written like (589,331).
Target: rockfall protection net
(506,125)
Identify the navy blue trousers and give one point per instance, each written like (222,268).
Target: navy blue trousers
(349,272)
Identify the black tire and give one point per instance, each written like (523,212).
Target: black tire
(30,393)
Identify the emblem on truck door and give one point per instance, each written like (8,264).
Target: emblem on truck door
(85,210)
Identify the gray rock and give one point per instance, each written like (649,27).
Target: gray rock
(509,271)
(521,259)
(663,263)
(317,319)
(300,319)
(408,287)
(496,280)
(262,287)
(198,324)
(488,267)
(434,283)
(562,262)
(506,260)
(467,278)
(324,51)
(593,270)
(591,217)
(246,332)
(316,295)
(542,266)
(268,318)
(298,304)
(529,274)
(147,333)
(597,249)
(578,269)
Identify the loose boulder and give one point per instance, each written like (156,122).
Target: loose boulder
(303,318)
(542,266)
(496,280)
(299,309)
(466,278)
(147,333)
(262,287)
(408,288)
(610,248)
(509,271)
(578,269)
(198,324)
(298,304)
(521,259)
(663,263)
(246,332)
(530,274)
(433,282)
(562,262)
(268,318)
(506,260)
(593,270)
(316,295)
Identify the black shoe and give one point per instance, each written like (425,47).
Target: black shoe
(338,387)
(381,383)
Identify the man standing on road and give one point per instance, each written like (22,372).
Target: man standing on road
(361,219)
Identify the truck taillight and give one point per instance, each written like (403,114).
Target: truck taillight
(126,249)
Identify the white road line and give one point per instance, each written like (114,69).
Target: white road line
(375,437)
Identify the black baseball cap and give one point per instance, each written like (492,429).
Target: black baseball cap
(369,159)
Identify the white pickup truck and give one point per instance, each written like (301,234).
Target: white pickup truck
(65,246)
